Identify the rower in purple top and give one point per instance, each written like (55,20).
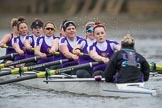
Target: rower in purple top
(67,43)
(30,40)
(47,44)
(18,44)
(8,39)
(102,49)
(83,47)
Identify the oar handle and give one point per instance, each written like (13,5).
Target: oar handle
(83,54)
(55,53)
(32,49)
(5,46)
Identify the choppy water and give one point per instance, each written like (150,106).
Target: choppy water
(20,97)
(15,96)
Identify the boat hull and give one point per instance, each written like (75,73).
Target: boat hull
(90,88)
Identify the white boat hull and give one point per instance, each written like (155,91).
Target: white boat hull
(90,88)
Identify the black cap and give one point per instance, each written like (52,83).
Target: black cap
(36,24)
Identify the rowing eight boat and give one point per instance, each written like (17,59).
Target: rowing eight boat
(88,86)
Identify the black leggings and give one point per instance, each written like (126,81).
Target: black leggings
(84,73)
(98,72)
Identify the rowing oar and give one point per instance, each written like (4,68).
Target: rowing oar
(153,66)
(81,54)
(49,73)
(32,59)
(30,68)
(12,55)
(5,46)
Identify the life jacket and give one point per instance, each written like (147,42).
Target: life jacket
(130,58)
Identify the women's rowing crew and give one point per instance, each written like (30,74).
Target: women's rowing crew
(95,47)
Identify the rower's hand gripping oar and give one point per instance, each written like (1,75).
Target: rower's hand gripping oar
(5,46)
(49,73)
(80,54)
(21,70)
(12,55)
(83,54)
(8,56)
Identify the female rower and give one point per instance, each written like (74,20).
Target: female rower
(30,41)
(102,49)
(47,44)
(67,43)
(83,47)
(18,44)
(62,33)
(127,66)
(7,39)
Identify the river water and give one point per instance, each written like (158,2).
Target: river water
(148,43)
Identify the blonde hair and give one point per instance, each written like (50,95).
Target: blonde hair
(14,22)
(55,29)
(89,23)
(128,39)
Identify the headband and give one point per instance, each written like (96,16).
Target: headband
(67,24)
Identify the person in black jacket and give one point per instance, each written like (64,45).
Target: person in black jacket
(126,65)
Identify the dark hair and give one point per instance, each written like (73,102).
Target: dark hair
(36,23)
(67,24)
(128,41)
(14,22)
(127,45)
(61,25)
(20,20)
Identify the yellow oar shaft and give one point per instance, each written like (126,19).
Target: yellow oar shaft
(155,67)
(49,72)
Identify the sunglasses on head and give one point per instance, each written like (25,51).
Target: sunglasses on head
(90,29)
(48,28)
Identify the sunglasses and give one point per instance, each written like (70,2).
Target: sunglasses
(49,29)
(89,31)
